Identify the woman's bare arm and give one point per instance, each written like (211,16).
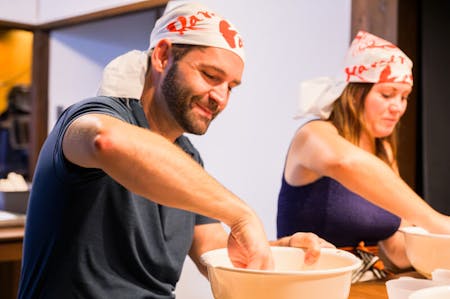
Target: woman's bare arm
(318,148)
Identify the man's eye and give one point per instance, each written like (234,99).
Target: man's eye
(208,75)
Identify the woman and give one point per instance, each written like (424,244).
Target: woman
(341,179)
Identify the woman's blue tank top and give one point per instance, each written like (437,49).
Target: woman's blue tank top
(328,209)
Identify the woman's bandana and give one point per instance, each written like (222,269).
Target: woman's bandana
(375,60)
(187,23)
(369,59)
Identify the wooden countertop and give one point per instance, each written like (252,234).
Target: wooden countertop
(368,290)
(8,234)
(11,243)
(11,238)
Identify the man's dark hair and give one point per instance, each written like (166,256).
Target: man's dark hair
(178,52)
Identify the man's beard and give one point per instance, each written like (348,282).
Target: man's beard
(180,100)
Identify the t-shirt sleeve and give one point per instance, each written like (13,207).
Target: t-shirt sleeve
(100,105)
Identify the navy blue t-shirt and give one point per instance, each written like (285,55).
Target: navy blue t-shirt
(88,237)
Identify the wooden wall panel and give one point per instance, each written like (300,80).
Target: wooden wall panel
(435,63)
(397,21)
(379,17)
(39,94)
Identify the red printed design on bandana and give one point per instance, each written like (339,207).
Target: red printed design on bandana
(371,44)
(383,68)
(385,76)
(183,24)
(359,70)
(229,34)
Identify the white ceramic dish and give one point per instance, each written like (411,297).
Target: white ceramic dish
(329,278)
(403,287)
(427,251)
(440,292)
(441,275)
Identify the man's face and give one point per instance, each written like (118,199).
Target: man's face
(197,87)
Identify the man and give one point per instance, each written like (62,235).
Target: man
(119,196)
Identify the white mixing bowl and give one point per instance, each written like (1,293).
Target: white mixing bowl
(329,277)
(426,251)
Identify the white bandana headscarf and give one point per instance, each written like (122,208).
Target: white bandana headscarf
(369,59)
(194,24)
(187,23)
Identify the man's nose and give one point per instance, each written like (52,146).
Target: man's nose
(220,94)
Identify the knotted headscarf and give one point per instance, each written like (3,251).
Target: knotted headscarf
(369,59)
(194,24)
(187,23)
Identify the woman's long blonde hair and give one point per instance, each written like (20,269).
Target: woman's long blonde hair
(347,117)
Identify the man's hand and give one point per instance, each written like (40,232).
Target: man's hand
(248,246)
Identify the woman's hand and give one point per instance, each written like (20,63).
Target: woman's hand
(310,242)
(438,224)
(312,245)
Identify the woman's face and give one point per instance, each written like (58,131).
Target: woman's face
(385,104)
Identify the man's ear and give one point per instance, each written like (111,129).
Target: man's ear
(161,54)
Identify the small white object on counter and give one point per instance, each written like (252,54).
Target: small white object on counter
(11,219)
(14,193)
(5,216)
(13,182)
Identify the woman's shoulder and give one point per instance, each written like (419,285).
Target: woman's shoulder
(315,135)
(317,127)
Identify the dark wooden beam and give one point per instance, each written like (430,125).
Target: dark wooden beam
(39,95)
(16,25)
(410,143)
(379,17)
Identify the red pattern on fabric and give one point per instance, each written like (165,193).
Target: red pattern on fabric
(183,24)
(229,34)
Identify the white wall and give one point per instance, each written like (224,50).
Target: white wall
(79,53)
(286,41)
(284,44)
(20,11)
